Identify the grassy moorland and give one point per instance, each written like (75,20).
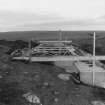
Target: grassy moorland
(82,39)
(48,35)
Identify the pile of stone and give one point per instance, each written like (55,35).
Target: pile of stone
(32,98)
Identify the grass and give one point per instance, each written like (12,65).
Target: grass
(48,35)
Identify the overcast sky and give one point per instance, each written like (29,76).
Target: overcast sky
(52,15)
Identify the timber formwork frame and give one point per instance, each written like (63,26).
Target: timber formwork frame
(55,54)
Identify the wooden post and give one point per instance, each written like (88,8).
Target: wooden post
(29,50)
(94,46)
(60,39)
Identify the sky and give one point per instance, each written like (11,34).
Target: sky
(27,15)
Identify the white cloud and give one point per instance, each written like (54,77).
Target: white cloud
(65,8)
(54,13)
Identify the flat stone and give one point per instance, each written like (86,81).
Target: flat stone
(64,77)
(69,71)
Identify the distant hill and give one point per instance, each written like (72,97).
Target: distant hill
(48,35)
(81,39)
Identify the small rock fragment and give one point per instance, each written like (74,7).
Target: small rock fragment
(1,76)
(25,72)
(69,71)
(56,92)
(64,77)
(98,103)
(45,83)
(56,100)
(6,72)
(37,78)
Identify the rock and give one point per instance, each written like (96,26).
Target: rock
(69,71)
(36,78)
(32,98)
(45,83)
(6,72)
(98,103)
(25,72)
(55,99)
(76,88)
(64,77)
(1,76)
(56,92)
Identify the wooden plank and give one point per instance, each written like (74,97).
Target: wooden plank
(62,58)
(67,58)
(64,41)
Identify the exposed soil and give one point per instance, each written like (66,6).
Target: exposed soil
(19,78)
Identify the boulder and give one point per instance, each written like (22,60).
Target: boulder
(32,98)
